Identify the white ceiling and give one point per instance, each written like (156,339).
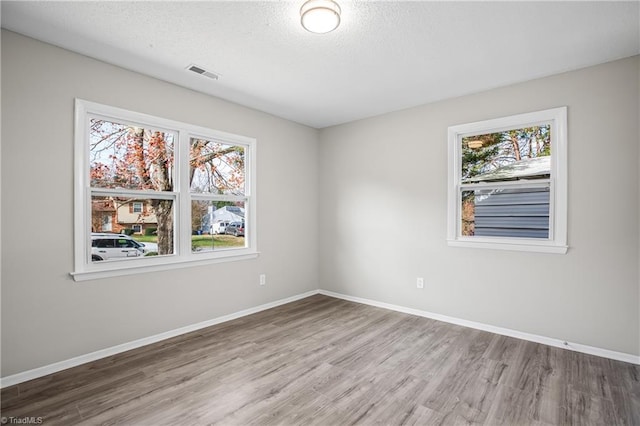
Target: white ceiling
(385,56)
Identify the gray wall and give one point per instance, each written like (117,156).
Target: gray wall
(376,187)
(383,192)
(46,316)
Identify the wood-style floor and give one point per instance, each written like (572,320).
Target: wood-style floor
(324,361)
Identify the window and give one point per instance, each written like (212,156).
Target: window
(217,188)
(133,168)
(508,183)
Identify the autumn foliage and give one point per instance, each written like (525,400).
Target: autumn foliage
(140,164)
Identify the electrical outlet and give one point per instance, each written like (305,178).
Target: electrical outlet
(420,282)
(263,279)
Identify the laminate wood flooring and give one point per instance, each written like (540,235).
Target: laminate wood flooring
(325,361)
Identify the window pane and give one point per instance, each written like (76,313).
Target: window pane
(217,168)
(521,212)
(116,215)
(123,156)
(217,225)
(523,153)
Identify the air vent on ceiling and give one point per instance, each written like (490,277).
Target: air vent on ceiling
(202,71)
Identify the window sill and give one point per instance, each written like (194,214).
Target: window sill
(520,245)
(118,270)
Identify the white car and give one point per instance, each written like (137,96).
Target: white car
(106,246)
(219,227)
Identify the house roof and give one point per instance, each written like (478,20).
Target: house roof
(235,210)
(523,169)
(103,206)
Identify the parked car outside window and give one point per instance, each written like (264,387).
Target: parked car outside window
(105,246)
(235,228)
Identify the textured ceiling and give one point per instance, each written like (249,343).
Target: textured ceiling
(385,56)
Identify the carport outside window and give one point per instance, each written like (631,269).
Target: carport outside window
(508,182)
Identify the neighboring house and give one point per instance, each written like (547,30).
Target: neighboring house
(103,215)
(517,212)
(224,214)
(136,215)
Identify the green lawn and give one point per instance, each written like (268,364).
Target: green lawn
(219,241)
(145,238)
(202,241)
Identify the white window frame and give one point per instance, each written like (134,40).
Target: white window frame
(137,203)
(84,268)
(557,241)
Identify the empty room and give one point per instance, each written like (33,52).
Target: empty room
(320,212)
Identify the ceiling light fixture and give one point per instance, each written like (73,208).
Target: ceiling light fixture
(320,16)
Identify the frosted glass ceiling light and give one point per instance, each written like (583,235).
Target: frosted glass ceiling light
(320,16)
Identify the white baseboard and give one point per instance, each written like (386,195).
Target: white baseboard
(577,347)
(103,353)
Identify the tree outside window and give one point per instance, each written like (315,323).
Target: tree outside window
(138,169)
(508,183)
(517,154)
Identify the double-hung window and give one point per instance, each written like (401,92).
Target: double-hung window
(508,183)
(176,178)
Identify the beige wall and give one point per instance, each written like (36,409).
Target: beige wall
(46,316)
(384,214)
